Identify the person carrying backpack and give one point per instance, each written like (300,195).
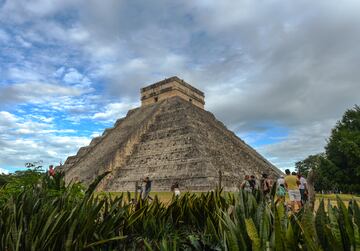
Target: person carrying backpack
(265,184)
(280,193)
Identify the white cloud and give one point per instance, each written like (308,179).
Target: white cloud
(78,80)
(19,11)
(24,140)
(51,149)
(59,72)
(6,118)
(73,76)
(37,92)
(96,134)
(22,42)
(25,125)
(79,34)
(114,111)
(292,65)
(23,74)
(3,171)
(221,15)
(42,118)
(301,142)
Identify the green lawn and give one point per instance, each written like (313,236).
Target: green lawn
(342,196)
(163,196)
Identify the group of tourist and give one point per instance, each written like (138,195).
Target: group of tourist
(250,184)
(296,187)
(294,184)
(144,192)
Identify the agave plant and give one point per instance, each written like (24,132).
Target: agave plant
(52,216)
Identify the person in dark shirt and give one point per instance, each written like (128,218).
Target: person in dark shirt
(253,183)
(147,182)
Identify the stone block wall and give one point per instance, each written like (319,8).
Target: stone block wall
(170,88)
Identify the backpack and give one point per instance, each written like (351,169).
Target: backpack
(281,191)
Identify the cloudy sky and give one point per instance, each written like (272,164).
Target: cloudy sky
(278,73)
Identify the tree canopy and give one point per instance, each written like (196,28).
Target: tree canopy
(339,167)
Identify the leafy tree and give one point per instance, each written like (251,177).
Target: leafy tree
(311,162)
(322,168)
(35,178)
(19,181)
(325,176)
(343,150)
(339,167)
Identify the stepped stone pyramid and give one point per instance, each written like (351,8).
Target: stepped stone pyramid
(169,138)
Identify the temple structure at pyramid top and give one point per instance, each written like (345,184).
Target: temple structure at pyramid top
(169,138)
(171,87)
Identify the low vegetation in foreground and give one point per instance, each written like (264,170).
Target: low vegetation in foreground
(47,215)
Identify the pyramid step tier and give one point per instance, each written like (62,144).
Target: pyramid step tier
(169,141)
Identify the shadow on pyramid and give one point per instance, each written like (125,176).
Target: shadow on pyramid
(170,138)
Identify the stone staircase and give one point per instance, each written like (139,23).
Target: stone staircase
(109,150)
(170,141)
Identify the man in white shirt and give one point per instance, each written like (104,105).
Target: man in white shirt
(303,189)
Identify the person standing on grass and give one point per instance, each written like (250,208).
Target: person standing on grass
(292,185)
(245,185)
(303,189)
(175,188)
(147,182)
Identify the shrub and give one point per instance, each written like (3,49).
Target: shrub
(51,216)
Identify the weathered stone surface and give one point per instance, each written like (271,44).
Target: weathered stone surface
(170,140)
(111,149)
(171,87)
(95,140)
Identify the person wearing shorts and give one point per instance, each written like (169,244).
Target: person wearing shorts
(292,184)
